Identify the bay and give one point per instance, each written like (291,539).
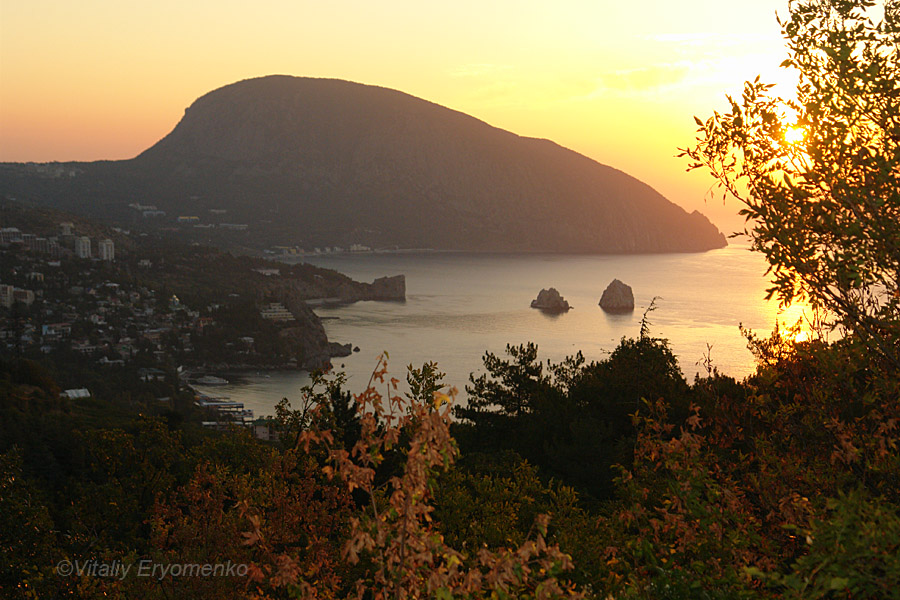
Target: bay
(460,305)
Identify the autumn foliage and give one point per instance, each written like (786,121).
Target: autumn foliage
(393,537)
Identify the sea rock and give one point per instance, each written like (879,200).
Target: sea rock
(617,297)
(338,349)
(550,301)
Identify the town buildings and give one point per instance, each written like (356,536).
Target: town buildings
(275,311)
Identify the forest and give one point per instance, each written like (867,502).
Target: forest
(556,480)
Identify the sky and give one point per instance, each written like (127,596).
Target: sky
(617,81)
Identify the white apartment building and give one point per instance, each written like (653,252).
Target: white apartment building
(83,247)
(107,250)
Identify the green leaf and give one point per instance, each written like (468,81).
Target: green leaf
(444,594)
(838,583)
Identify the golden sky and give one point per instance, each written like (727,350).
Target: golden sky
(617,81)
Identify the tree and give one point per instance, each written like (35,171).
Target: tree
(571,419)
(819,173)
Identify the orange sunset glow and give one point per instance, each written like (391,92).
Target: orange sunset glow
(617,82)
(570,300)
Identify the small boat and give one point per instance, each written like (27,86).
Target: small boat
(212,380)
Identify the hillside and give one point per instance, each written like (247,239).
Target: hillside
(326,162)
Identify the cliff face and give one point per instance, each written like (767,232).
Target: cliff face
(386,288)
(307,337)
(325,162)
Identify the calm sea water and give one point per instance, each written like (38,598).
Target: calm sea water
(461,305)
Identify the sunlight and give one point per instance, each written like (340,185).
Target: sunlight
(794,134)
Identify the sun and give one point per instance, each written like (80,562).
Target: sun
(794,134)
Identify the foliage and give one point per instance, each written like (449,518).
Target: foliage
(572,420)
(786,484)
(424,383)
(638,369)
(27,539)
(513,387)
(283,519)
(824,209)
(689,528)
(853,551)
(736,492)
(323,404)
(394,537)
(492,501)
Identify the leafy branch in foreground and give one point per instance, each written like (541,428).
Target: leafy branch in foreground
(819,174)
(393,540)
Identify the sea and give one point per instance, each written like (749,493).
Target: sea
(459,306)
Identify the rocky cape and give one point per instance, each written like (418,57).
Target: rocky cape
(339,290)
(310,162)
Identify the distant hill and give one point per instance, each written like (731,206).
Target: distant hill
(327,162)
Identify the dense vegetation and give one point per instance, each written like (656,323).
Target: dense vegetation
(612,479)
(785,484)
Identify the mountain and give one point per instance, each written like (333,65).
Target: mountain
(319,162)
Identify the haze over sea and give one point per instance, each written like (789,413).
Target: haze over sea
(460,305)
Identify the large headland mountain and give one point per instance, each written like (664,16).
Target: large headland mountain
(324,162)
